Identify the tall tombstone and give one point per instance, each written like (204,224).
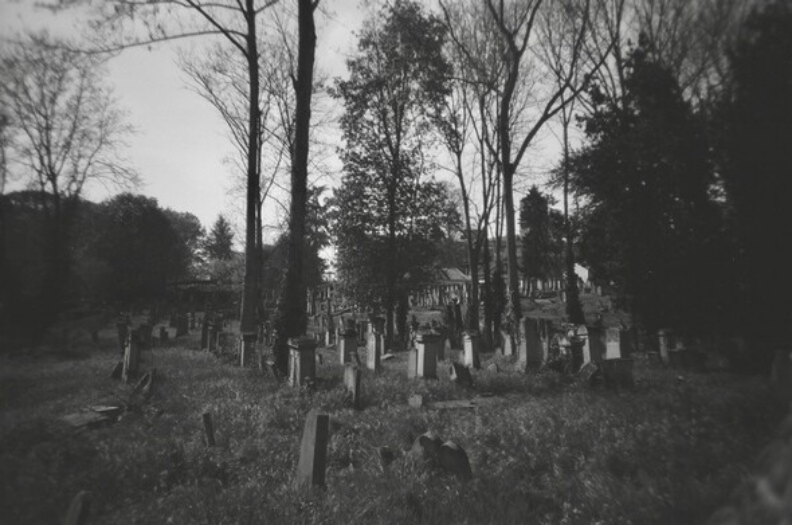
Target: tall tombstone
(613,343)
(313,451)
(302,361)
(582,334)
(374,351)
(214,329)
(412,363)
(347,344)
(666,344)
(530,346)
(507,346)
(131,357)
(352,380)
(471,342)
(426,354)
(596,336)
(163,334)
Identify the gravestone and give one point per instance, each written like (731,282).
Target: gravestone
(426,447)
(313,451)
(597,345)
(79,510)
(374,351)
(613,343)
(426,354)
(208,429)
(666,343)
(412,363)
(131,357)
(302,361)
(347,345)
(471,347)
(453,460)
(192,321)
(582,334)
(460,375)
(214,329)
(163,334)
(531,351)
(352,380)
(415,401)
(507,345)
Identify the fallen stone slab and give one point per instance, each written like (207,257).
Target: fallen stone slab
(387,357)
(86,419)
(451,404)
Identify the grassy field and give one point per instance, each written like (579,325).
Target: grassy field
(542,450)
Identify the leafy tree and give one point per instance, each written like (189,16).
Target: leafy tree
(65,131)
(142,248)
(385,209)
(755,124)
(191,233)
(542,255)
(220,241)
(649,225)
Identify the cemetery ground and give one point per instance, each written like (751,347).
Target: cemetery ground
(542,448)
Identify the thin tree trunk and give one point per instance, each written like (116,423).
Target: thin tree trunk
(574,309)
(291,317)
(249,315)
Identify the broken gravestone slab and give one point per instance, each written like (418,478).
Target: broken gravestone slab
(426,447)
(313,451)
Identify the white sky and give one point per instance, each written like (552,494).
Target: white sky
(181,141)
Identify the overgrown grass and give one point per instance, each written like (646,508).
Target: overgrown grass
(543,450)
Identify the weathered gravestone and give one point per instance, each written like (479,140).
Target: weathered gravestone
(666,343)
(313,451)
(302,361)
(531,349)
(460,375)
(374,351)
(471,347)
(163,335)
(131,357)
(214,329)
(453,460)
(426,447)
(79,510)
(507,345)
(613,343)
(352,380)
(597,345)
(581,332)
(347,345)
(426,354)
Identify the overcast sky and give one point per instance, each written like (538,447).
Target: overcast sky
(181,141)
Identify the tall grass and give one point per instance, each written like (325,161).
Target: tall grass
(543,450)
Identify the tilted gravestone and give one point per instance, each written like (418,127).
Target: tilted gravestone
(79,510)
(471,345)
(302,361)
(453,460)
(313,451)
(352,380)
(131,357)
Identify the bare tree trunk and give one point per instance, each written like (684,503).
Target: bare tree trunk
(249,316)
(291,318)
(574,309)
